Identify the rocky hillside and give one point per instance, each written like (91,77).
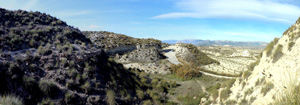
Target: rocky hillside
(119,43)
(274,79)
(45,61)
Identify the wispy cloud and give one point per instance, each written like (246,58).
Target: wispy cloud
(266,10)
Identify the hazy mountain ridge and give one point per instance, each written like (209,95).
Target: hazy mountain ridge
(198,42)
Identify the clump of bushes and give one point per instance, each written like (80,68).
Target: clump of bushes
(214,90)
(267,88)
(185,71)
(110,97)
(48,87)
(291,44)
(226,91)
(270,46)
(277,54)
(191,100)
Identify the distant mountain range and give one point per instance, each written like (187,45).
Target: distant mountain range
(199,42)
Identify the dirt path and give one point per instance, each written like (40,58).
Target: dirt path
(172,57)
(218,76)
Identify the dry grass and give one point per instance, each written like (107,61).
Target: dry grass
(10,100)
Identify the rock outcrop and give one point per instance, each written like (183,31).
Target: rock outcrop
(142,55)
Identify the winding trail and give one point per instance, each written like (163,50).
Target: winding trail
(172,57)
(217,76)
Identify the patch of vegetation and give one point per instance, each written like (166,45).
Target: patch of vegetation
(291,96)
(226,91)
(270,46)
(10,100)
(259,81)
(252,65)
(249,91)
(231,102)
(192,100)
(185,71)
(110,40)
(197,56)
(48,87)
(291,44)
(267,88)
(214,90)
(110,97)
(277,54)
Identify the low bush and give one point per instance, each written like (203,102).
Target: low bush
(277,54)
(110,97)
(48,87)
(291,44)
(86,87)
(191,100)
(185,71)
(214,90)
(267,88)
(270,46)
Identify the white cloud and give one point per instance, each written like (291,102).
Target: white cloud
(266,10)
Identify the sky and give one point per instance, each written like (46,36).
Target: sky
(236,20)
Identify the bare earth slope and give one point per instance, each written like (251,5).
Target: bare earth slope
(276,74)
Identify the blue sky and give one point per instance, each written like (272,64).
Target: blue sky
(238,20)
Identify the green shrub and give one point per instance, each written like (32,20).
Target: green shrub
(29,82)
(48,87)
(214,90)
(270,46)
(10,100)
(252,65)
(191,100)
(231,102)
(147,102)
(246,74)
(277,54)
(185,71)
(86,87)
(267,88)
(249,91)
(225,93)
(291,44)
(140,94)
(110,97)
(46,102)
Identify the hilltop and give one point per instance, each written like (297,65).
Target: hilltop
(45,61)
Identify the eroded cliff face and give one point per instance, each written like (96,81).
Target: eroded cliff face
(276,73)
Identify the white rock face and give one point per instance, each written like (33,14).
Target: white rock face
(281,73)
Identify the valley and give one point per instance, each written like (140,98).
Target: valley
(46,61)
